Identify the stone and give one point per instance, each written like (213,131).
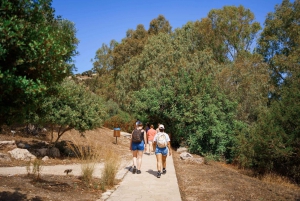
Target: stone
(45,158)
(54,152)
(8,144)
(21,154)
(42,152)
(182,149)
(185,155)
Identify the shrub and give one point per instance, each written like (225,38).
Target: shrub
(111,166)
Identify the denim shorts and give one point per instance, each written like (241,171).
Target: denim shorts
(138,146)
(162,151)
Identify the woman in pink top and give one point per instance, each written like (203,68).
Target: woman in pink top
(150,135)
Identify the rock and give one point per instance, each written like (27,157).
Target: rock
(185,155)
(23,146)
(21,154)
(4,157)
(45,158)
(182,149)
(42,152)
(197,160)
(54,152)
(8,144)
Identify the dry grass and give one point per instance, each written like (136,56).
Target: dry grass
(111,166)
(35,167)
(218,181)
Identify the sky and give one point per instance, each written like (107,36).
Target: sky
(100,21)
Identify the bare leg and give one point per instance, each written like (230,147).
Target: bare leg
(139,159)
(164,161)
(159,162)
(150,147)
(134,155)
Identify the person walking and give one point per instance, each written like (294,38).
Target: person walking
(150,136)
(162,145)
(157,130)
(137,146)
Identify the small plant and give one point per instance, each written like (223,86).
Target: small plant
(111,166)
(208,159)
(36,168)
(89,153)
(87,170)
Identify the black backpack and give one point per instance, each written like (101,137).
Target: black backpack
(137,136)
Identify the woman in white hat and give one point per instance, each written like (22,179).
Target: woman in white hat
(161,145)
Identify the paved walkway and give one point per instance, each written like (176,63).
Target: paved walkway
(146,186)
(59,170)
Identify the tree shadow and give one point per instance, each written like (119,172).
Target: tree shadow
(16,196)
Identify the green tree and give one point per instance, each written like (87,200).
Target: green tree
(235,27)
(36,50)
(71,106)
(274,141)
(279,42)
(159,24)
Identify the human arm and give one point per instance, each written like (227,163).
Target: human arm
(130,144)
(154,143)
(169,147)
(145,138)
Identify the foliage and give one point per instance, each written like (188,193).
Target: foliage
(235,27)
(36,51)
(279,42)
(71,106)
(167,85)
(121,120)
(274,140)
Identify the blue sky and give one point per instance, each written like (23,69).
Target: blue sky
(100,21)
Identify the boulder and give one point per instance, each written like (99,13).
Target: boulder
(45,158)
(185,156)
(8,144)
(21,154)
(54,152)
(42,152)
(182,149)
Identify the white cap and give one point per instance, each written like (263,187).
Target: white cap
(161,126)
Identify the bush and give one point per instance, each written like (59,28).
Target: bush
(111,166)
(122,120)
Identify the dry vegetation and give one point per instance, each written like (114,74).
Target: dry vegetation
(218,181)
(213,181)
(94,147)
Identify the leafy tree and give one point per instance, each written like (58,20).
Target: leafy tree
(279,42)
(71,106)
(159,24)
(274,140)
(235,27)
(103,59)
(191,106)
(130,46)
(36,50)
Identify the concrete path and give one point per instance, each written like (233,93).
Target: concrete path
(146,186)
(59,170)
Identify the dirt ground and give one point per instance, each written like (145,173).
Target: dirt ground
(213,181)
(216,181)
(54,187)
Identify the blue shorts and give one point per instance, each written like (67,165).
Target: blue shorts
(162,151)
(138,146)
